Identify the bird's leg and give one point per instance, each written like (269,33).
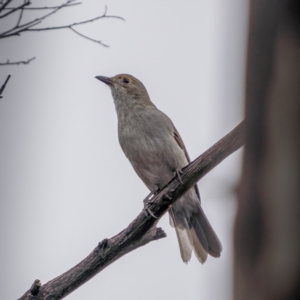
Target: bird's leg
(178,172)
(148,200)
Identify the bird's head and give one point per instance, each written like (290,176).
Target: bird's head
(125,87)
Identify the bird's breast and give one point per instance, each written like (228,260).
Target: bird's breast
(148,142)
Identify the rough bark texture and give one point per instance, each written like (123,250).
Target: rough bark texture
(142,230)
(267,229)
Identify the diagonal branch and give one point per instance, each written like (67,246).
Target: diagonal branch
(4,5)
(4,85)
(142,230)
(88,38)
(12,10)
(21,14)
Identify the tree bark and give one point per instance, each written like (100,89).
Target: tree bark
(267,229)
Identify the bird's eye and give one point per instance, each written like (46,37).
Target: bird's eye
(126,80)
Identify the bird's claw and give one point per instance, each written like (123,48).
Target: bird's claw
(178,172)
(148,200)
(147,210)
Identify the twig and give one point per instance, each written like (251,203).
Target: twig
(28,26)
(23,62)
(21,14)
(88,38)
(75,24)
(25,27)
(11,32)
(3,86)
(12,10)
(4,5)
(142,230)
(42,8)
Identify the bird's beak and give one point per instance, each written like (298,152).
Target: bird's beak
(104,79)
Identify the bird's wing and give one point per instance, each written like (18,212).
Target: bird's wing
(179,141)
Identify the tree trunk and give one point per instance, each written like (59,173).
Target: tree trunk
(267,229)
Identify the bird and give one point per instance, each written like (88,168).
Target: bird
(157,153)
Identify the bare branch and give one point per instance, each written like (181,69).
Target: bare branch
(4,5)
(22,62)
(142,230)
(55,10)
(30,26)
(76,24)
(4,85)
(12,10)
(21,14)
(43,8)
(26,26)
(23,28)
(15,31)
(86,37)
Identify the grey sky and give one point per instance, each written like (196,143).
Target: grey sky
(64,182)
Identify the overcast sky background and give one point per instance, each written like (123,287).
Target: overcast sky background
(65,183)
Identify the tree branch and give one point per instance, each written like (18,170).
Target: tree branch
(12,10)
(42,8)
(142,230)
(3,86)
(86,37)
(23,62)
(21,13)
(4,5)
(76,23)
(30,26)
(17,29)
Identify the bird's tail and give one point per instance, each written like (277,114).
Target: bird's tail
(194,233)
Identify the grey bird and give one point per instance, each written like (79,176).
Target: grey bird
(156,151)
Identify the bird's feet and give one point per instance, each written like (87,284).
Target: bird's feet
(148,200)
(178,173)
(147,211)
